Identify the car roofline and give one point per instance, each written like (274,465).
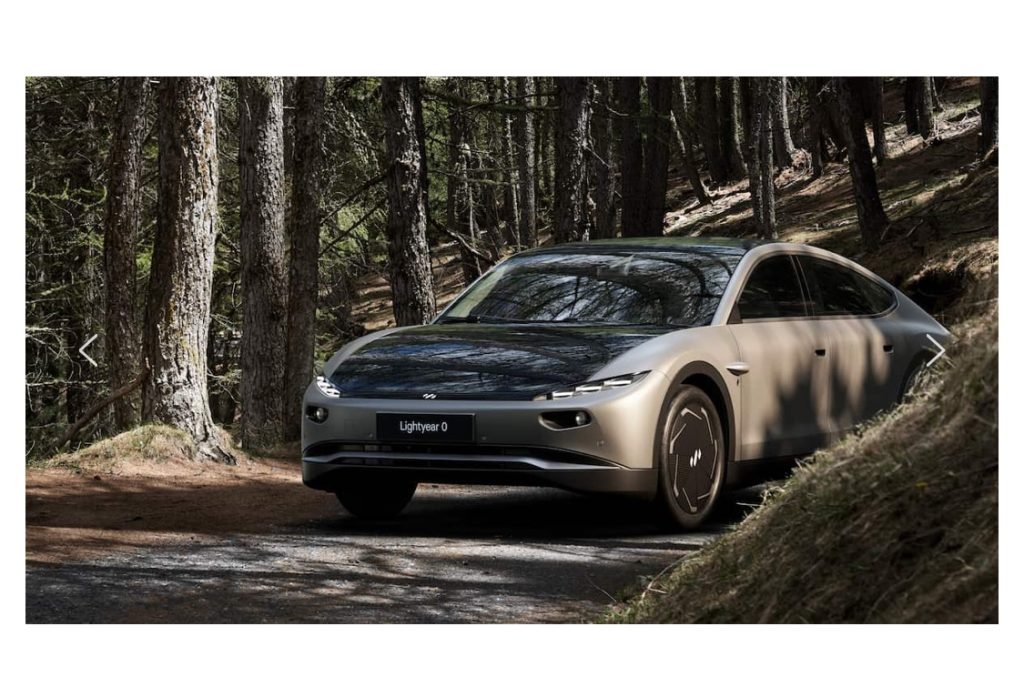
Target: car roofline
(652,243)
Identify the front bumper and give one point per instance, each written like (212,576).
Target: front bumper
(328,473)
(612,454)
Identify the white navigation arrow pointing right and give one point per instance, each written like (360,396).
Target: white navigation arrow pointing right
(942,350)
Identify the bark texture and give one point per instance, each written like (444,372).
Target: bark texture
(910,98)
(631,155)
(783,141)
(685,139)
(989,114)
(873,94)
(460,208)
(870,213)
(178,311)
(123,220)
(815,124)
(523,138)
(708,128)
(304,245)
(412,284)
(602,161)
(764,123)
(659,131)
(264,288)
(729,137)
(508,162)
(571,145)
(925,116)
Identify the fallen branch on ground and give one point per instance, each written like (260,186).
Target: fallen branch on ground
(95,409)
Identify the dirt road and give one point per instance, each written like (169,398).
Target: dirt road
(268,550)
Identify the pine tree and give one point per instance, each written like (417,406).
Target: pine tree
(412,283)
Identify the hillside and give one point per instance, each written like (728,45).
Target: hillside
(898,523)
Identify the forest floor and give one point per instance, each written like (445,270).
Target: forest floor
(134,529)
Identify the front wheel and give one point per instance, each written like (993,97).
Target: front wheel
(375,497)
(691,459)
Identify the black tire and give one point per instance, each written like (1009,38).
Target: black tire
(374,497)
(691,459)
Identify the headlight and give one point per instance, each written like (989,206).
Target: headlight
(593,387)
(326,388)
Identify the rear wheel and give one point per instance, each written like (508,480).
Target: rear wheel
(692,458)
(375,497)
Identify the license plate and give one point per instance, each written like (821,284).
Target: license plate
(425,427)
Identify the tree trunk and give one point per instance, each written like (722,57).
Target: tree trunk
(261,239)
(730,139)
(304,245)
(910,98)
(178,309)
(870,213)
(544,147)
(989,114)
(508,161)
(571,143)
(602,161)
(708,129)
(522,133)
(659,130)
(874,97)
(460,215)
(683,130)
(412,284)
(124,219)
(763,120)
(814,125)
(631,155)
(925,117)
(783,142)
(934,90)
(485,160)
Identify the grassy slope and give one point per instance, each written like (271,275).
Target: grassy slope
(899,522)
(895,524)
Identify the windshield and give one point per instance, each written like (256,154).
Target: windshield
(679,288)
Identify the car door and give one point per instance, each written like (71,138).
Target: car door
(868,349)
(783,368)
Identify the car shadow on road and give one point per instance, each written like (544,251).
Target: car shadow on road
(529,514)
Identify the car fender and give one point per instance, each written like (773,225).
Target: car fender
(681,354)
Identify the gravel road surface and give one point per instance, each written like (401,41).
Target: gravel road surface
(457,554)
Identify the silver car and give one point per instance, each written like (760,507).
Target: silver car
(666,369)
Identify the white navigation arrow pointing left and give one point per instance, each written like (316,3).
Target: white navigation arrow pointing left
(86,345)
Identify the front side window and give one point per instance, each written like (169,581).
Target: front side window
(679,288)
(837,290)
(773,291)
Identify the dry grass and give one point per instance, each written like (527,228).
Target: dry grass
(157,451)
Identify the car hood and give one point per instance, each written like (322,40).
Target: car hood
(483,360)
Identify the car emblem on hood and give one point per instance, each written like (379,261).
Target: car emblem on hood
(429,396)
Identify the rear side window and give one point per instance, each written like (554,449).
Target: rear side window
(773,290)
(836,290)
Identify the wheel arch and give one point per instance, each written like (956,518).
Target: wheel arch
(705,377)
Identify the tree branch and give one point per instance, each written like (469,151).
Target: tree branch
(94,410)
(461,240)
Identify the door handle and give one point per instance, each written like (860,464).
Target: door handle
(738,368)
(820,352)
